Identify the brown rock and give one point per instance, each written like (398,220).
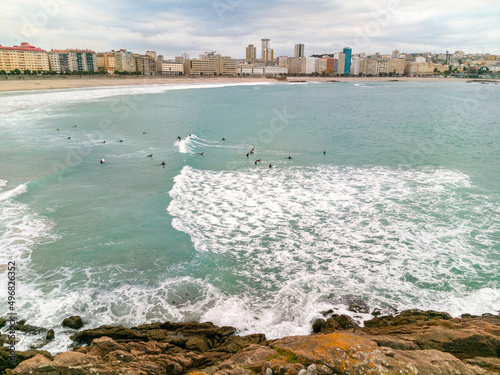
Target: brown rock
(107,345)
(281,366)
(432,362)
(252,357)
(491,364)
(37,362)
(116,333)
(407,317)
(464,338)
(20,357)
(119,356)
(72,359)
(198,344)
(342,353)
(235,371)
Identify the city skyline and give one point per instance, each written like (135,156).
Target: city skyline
(228,26)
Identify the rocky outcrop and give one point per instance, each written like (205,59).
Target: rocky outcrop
(464,338)
(415,342)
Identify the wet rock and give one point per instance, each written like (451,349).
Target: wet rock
(358,308)
(50,335)
(3,322)
(74,322)
(376,312)
(26,328)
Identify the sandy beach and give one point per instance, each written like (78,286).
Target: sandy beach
(22,84)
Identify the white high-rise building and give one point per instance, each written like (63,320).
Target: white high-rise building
(264,51)
(298,50)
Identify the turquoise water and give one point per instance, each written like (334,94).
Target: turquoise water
(402,211)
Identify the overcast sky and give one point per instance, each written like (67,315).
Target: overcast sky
(172,27)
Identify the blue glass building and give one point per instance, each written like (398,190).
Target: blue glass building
(347,65)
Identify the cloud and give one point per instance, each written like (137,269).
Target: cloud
(228,26)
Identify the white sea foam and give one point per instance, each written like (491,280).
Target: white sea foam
(298,241)
(12,193)
(22,101)
(309,238)
(20,228)
(184,144)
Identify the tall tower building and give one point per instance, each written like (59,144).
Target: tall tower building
(298,50)
(348,55)
(251,54)
(264,48)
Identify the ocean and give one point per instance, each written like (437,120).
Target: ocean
(390,200)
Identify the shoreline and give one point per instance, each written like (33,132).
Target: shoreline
(411,342)
(57,83)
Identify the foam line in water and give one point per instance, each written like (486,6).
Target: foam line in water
(22,101)
(13,193)
(20,229)
(403,238)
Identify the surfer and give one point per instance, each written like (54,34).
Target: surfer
(202,154)
(163,163)
(102,161)
(252,150)
(324,152)
(149,156)
(102,142)
(143,132)
(223,138)
(289,157)
(69,138)
(257,161)
(121,141)
(248,154)
(57,129)
(179,138)
(270,166)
